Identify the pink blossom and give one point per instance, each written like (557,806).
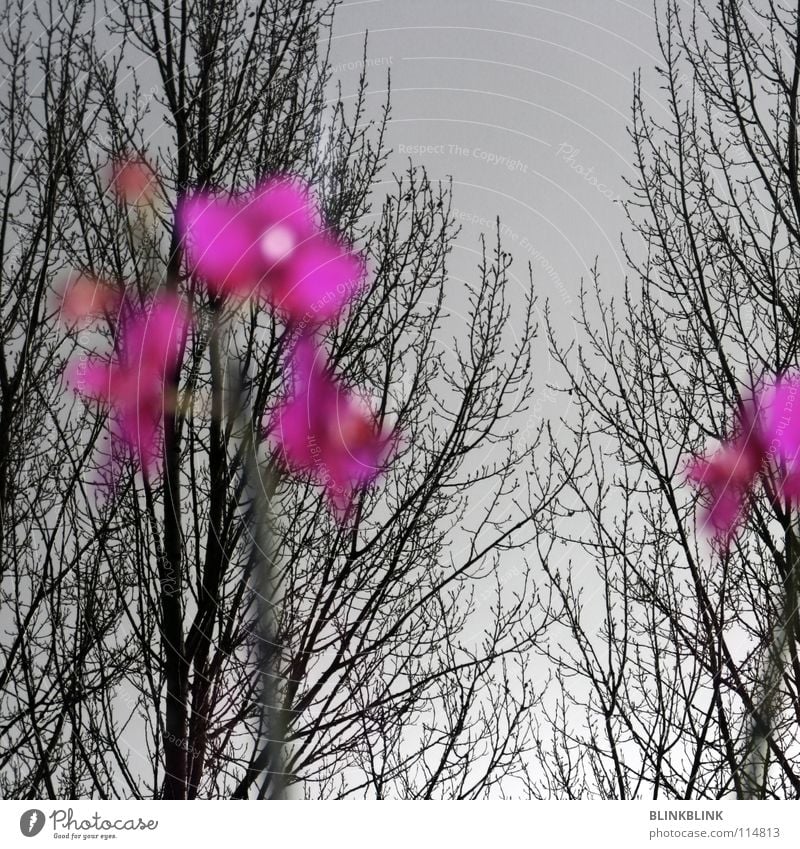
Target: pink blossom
(271,244)
(134,180)
(727,476)
(326,432)
(779,407)
(149,344)
(769,439)
(84,298)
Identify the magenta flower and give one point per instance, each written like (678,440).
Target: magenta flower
(149,346)
(780,413)
(326,432)
(271,244)
(83,298)
(769,438)
(727,476)
(134,181)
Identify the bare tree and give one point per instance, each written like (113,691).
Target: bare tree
(131,652)
(665,640)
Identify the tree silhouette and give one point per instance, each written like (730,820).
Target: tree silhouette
(133,657)
(669,642)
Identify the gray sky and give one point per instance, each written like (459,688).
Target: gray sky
(526,105)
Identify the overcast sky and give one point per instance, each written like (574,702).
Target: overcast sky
(526,104)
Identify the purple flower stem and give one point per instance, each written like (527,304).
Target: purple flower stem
(756,761)
(260,488)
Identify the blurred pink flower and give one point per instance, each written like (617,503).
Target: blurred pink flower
(727,477)
(149,344)
(769,438)
(326,432)
(134,180)
(83,298)
(271,243)
(779,408)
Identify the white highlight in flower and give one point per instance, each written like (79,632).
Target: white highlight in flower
(277,242)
